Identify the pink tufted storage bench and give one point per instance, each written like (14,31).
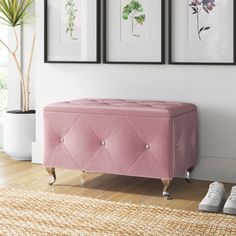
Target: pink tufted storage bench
(154,139)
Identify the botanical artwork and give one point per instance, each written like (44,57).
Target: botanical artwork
(71,12)
(133,20)
(200,9)
(70,20)
(134,11)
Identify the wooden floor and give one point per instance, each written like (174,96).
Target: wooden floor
(24,175)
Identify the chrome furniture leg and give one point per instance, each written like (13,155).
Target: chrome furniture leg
(187,175)
(165,192)
(52,173)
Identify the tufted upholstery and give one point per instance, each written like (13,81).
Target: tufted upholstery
(125,107)
(129,137)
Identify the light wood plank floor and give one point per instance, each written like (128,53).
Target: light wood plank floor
(28,176)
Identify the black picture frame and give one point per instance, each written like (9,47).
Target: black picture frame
(105,49)
(98,37)
(170,60)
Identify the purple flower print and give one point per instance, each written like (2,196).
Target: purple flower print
(209,4)
(197,6)
(195,3)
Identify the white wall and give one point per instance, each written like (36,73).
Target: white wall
(211,88)
(14,91)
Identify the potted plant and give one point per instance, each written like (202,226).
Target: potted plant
(19,125)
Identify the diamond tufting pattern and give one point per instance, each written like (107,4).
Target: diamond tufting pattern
(139,138)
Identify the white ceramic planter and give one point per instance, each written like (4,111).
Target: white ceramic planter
(18,134)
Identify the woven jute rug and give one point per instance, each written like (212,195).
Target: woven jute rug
(38,213)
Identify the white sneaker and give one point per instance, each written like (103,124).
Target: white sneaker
(214,199)
(230,205)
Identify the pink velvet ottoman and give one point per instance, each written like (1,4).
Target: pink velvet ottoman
(144,138)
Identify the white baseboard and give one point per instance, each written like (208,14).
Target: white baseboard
(37,153)
(208,168)
(1,131)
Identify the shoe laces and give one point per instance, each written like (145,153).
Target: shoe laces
(233,193)
(216,190)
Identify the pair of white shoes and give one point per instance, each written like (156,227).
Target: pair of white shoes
(215,199)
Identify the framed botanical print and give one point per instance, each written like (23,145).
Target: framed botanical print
(202,32)
(72,31)
(134,31)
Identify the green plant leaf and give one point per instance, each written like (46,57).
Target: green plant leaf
(132,8)
(15,12)
(140,19)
